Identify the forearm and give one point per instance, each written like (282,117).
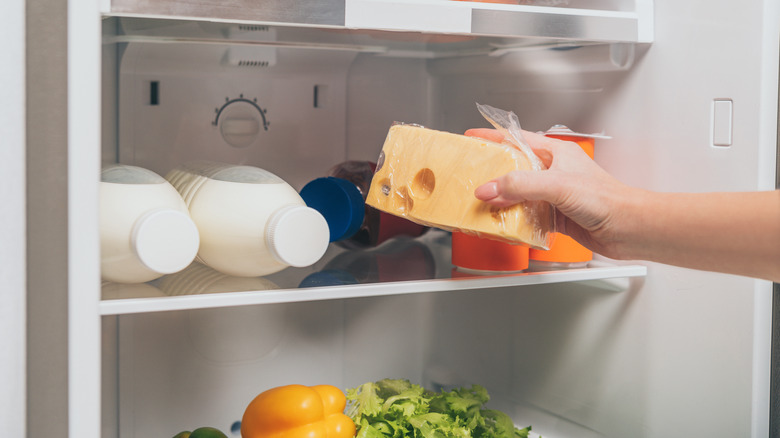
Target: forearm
(736,233)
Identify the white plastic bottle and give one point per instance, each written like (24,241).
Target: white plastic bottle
(145,227)
(251,222)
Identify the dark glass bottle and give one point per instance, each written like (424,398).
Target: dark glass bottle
(340,198)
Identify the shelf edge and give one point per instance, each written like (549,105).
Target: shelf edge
(231,299)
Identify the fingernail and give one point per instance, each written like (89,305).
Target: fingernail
(487,191)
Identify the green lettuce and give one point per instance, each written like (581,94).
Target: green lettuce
(397,408)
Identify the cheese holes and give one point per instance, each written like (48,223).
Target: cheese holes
(380,162)
(401,198)
(424,183)
(385,185)
(404,200)
(498,214)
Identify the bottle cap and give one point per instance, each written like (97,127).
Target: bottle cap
(297,235)
(340,203)
(165,240)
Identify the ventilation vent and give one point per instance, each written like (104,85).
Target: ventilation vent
(260,54)
(248,63)
(253,28)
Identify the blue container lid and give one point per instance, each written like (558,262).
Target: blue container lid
(339,201)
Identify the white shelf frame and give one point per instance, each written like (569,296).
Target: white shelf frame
(428,16)
(229,299)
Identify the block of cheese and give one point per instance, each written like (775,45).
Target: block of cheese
(429,177)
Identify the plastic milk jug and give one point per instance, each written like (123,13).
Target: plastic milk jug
(145,228)
(251,222)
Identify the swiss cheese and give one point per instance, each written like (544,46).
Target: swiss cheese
(429,177)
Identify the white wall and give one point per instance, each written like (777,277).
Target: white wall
(12,221)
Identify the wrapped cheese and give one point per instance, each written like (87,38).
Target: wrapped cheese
(429,177)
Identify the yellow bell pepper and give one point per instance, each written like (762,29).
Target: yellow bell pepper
(298,411)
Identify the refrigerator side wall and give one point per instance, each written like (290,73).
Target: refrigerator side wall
(47,244)
(12,221)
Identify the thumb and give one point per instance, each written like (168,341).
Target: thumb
(518,186)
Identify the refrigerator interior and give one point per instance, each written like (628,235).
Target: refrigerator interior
(675,353)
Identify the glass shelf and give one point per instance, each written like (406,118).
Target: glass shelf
(145,30)
(399,266)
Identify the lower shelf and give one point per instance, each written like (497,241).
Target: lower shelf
(403,266)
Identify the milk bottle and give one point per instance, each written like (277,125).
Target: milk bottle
(251,222)
(145,228)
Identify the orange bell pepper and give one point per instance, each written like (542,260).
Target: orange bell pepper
(298,411)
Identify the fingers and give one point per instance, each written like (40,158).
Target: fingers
(485,133)
(518,186)
(487,192)
(541,145)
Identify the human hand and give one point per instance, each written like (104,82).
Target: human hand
(587,199)
(693,230)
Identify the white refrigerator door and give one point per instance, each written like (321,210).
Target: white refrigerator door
(686,353)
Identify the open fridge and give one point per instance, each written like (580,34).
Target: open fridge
(687,91)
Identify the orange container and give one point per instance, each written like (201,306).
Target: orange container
(564,250)
(506,2)
(474,253)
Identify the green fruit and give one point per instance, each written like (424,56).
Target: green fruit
(207,432)
(184,434)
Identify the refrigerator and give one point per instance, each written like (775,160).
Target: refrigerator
(687,91)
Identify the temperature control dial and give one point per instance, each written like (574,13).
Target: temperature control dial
(240,121)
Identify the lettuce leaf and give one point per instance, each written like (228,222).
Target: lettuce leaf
(397,408)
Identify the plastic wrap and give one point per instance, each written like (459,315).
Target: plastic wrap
(429,177)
